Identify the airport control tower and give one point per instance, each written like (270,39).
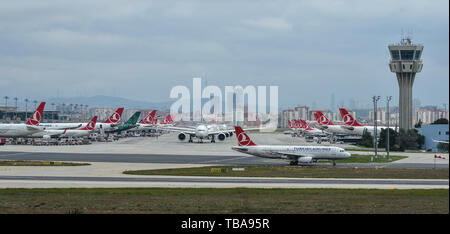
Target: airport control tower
(405,62)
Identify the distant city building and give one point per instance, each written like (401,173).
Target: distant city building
(428,116)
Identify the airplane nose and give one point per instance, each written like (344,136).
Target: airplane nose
(347,154)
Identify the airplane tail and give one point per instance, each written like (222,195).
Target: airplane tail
(91,125)
(133,119)
(299,124)
(169,119)
(322,119)
(242,137)
(35,118)
(348,118)
(290,124)
(149,119)
(115,117)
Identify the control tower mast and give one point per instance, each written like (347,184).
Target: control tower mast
(405,62)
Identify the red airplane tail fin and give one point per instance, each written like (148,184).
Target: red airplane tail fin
(149,119)
(348,118)
(35,118)
(242,137)
(115,117)
(91,125)
(299,124)
(169,119)
(322,119)
(290,124)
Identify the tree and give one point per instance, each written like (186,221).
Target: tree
(366,140)
(441,121)
(410,139)
(442,147)
(418,124)
(383,138)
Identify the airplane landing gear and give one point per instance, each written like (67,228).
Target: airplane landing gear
(293,163)
(212,139)
(190,139)
(334,163)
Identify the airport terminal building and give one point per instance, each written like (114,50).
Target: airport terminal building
(438,132)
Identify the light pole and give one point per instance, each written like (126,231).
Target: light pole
(15,116)
(6,106)
(375,141)
(53,114)
(388,129)
(26,108)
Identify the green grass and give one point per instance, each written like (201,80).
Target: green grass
(359,158)
(300,172)
(38,163)
(224,201)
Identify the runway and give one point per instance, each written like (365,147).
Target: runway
(109,160)
(188,181)
(190,159)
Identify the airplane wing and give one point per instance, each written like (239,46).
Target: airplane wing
(230,130)
(180,129)
(347,127)
(34,128)
(291,156)
(445,142)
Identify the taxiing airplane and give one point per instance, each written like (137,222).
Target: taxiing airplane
(24,130)
(296,154)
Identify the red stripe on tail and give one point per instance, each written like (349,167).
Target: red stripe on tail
(242,137)
(35,118)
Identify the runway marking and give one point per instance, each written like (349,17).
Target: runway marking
(223,160)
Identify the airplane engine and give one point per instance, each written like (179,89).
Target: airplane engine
(46,136)
(231,134)
(181,136)
(221,136)
(305,160)
(227,134)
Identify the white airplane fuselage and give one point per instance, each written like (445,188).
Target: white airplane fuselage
(359,130)
(62,126)
(304,153)
(18,130)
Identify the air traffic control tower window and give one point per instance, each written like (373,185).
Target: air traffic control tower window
(407,54)
(395,55)
(417,57)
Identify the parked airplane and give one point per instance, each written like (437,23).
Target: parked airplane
(296,154)
(58,133)
(107,125)
(329,126)
(24,130)
(148,122)
(307,129)
(131,123)
(354,127)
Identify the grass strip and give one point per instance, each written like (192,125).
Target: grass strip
(224,201)
(300,172)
